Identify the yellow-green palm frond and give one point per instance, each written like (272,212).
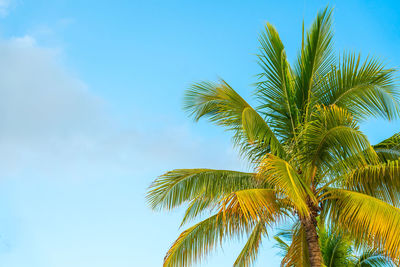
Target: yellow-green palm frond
(286,181)
(250,251)
(297,252)
(333,137)
(258,134)
(315,60)
(368,220)
(197,207)
(183,185)
(381,181)
(254,204)
(365,89)
(281,244)
(389,149)
(276,86)
(195,243)
(225,107)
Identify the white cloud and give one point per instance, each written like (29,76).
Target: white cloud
(42,106)
(37,95)
(51,124)
(56,135)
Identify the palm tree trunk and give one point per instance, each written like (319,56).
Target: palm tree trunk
(310,225)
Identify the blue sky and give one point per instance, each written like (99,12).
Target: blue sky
(90,113)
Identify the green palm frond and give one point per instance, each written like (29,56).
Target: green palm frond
(333,137)
(258,135)
(336,248)
(182,185)
(249,252)
(368,219)
(315,60)
(282,245)
(199,240)
(297,253)
(276,86)
(197,207)
(372,258)
(285,179)
(225,107)
(389,149)
(364,89)
(381,181)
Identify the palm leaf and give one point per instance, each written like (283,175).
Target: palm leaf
(276,88)
(297,254)
(182,185)
(336,248)
(372,258)
(381,181)
(368,219)
(250,251)
(333,142)
(196,242)
(253,204)
(225,107)
(364,89)
(282,176)
(389,149)
(315,60)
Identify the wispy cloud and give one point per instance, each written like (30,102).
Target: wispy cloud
(51,123)
(56,133)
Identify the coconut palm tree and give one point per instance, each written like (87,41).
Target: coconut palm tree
(338,249)
(309,158)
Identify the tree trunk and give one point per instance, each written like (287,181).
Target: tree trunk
(310,225)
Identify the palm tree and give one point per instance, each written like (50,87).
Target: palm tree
(309,158)
(338,249)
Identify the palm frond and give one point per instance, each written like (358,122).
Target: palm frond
(332,140)
(282,176)
(250,251)
(197,207)
(182,185)
(372,258)
(336,248)
(276,86)
(369,220)
(225,107)
(239,213)
(282,245)
(389,149)
(196,242)
(254,204)
(381,181)
(364,89)
(297,254)
(315,60)
(258,134)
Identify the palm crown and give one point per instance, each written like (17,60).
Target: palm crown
(310,159)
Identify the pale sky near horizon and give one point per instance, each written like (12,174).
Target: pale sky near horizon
(90,113)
